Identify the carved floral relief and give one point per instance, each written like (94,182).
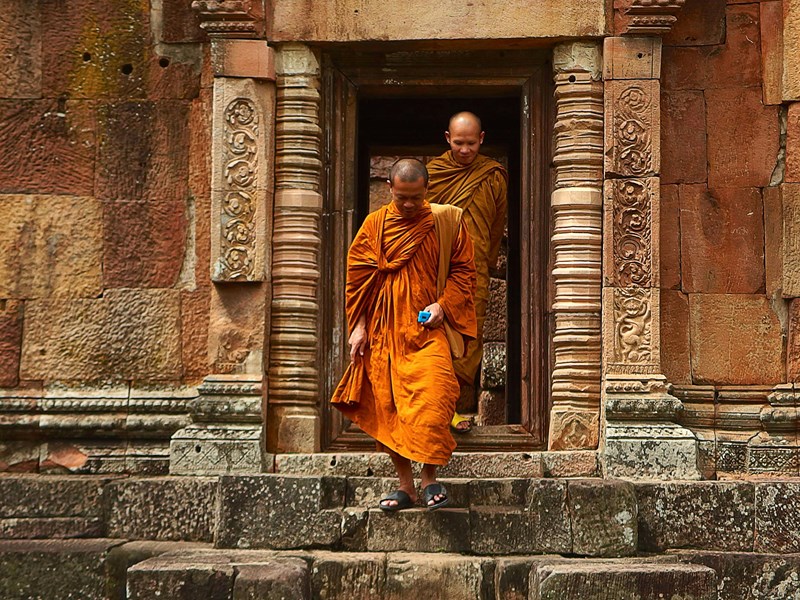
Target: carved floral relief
(238,239)
(632,233)
(633,147)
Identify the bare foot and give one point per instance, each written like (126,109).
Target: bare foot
(390,503)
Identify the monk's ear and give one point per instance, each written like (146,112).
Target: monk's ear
(482,134)
(447,136)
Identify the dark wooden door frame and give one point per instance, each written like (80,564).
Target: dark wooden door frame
(349,75)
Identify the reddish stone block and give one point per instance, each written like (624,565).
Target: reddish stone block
(20,49)
(743,138)
(773,240)
(793,344)
(771,20)
(675,337)
(179,23)
(700,23)
(670,234)
(94,48)
(10,341)
(143,151)
(736,339)
(144,243)
(195,308)
(101,50)
(736,63)
(683,137)
(199,125)
(722,240)
(792,173)
(48,147)
(200,183)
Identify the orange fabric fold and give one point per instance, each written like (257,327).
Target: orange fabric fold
(408,389)
(480,190)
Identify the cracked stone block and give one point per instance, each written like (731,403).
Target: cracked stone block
(706,515)
(278,511)
(164,508)
(603,517)
(419,530)
(439,576)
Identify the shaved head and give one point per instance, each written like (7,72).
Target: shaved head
(467,119)
(408,170)
(465,136)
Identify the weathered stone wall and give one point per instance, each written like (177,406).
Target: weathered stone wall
(104,238)
(104,193)
(723,319)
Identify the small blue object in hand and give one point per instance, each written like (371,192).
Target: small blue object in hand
(423,316)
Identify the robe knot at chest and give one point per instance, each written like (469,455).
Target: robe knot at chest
(399,238)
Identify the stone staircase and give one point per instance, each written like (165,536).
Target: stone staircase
(513,530)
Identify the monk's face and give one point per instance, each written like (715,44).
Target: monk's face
(408,196)
(465,139)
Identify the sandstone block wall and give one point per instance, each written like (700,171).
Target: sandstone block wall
(727,161)
(104,193)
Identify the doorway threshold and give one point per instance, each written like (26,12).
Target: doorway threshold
(492,465)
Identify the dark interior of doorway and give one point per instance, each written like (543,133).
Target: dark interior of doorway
(410,123)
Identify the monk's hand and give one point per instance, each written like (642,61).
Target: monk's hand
(437,315)
(358,341)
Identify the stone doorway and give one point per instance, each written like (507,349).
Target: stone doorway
(380,106)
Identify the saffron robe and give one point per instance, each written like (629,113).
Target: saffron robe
(480,190)
(403,391)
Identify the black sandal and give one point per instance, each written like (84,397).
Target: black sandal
(403,501)
(431,491)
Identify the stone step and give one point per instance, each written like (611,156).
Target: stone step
(85,569)
(254,574)
(102,569)
(508,516)
(588,517)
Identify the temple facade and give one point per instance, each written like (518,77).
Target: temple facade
(180,182)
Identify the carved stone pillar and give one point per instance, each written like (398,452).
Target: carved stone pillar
(577,247)
(642,436)
(226,434)
(293,413)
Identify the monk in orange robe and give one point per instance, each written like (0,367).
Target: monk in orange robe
(478,185)
(400,387)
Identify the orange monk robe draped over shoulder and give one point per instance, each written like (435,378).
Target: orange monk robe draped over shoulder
(480,190)
(403,391)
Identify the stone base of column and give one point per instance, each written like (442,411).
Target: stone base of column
(293,429)
(574,429)
(642,439)
(226,434)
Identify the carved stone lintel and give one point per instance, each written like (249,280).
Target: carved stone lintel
(652,17)
(231,18)
(226,434)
